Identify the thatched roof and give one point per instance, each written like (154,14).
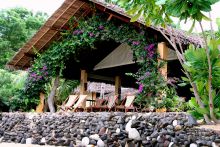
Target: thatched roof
(105,88)
(50,31)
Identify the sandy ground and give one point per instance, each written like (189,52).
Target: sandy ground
(213,127)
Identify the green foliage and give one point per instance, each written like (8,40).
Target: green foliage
(158,12)
(11,86)
(197,66)
(63,91)
(16,26)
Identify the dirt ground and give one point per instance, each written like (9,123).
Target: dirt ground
(213,127)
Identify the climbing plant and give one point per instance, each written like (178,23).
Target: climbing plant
(83,37)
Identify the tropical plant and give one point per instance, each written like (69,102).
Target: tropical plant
(11,86)
(184,10)
(63,91)
(196,64)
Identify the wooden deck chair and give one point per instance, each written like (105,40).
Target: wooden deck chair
(110,104)
(128,104)
(79,103)
(98,104)
(71,100)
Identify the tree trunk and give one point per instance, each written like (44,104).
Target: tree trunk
(50,99)
(211,105)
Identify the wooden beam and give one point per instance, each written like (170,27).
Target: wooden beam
(163,53)
(118,86)
(110,17)
(98,77)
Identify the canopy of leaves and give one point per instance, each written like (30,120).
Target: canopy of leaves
(158,12)
(17,25)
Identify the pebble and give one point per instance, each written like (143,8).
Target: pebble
(175,123)
(28,141)
(100,143)
(110,129)
(85,141)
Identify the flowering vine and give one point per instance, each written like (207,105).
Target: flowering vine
(88,31)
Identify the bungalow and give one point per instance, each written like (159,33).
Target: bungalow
(111,60)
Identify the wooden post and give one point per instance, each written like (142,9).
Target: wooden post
(40,107)
(118,86)
(163,52)
(83,84)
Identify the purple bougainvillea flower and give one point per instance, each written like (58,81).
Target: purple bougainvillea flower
(150,55)
(33,75)
(44,67)
(77,32)
(101,27)
(147,74)
(135,42)
(40,77)
(141,87)
(91,34)
(149,47)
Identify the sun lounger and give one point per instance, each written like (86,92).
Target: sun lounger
(110,104)
(127,104)
(79,104)
(96,107)
(71,101)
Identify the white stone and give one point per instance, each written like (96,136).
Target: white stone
(85,141)
(175,123)
(82,121)
(30,115)
(158,138)
(43,140)
(133,117)
(193,145)
(134,134)
(171,144)
(214,144)
(94,137)
(106,132)
(148,138)
(100,143)
(28,141)
(117,130)
(128,126)
(81,131)
(201,121)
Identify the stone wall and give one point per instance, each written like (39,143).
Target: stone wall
(105,129)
